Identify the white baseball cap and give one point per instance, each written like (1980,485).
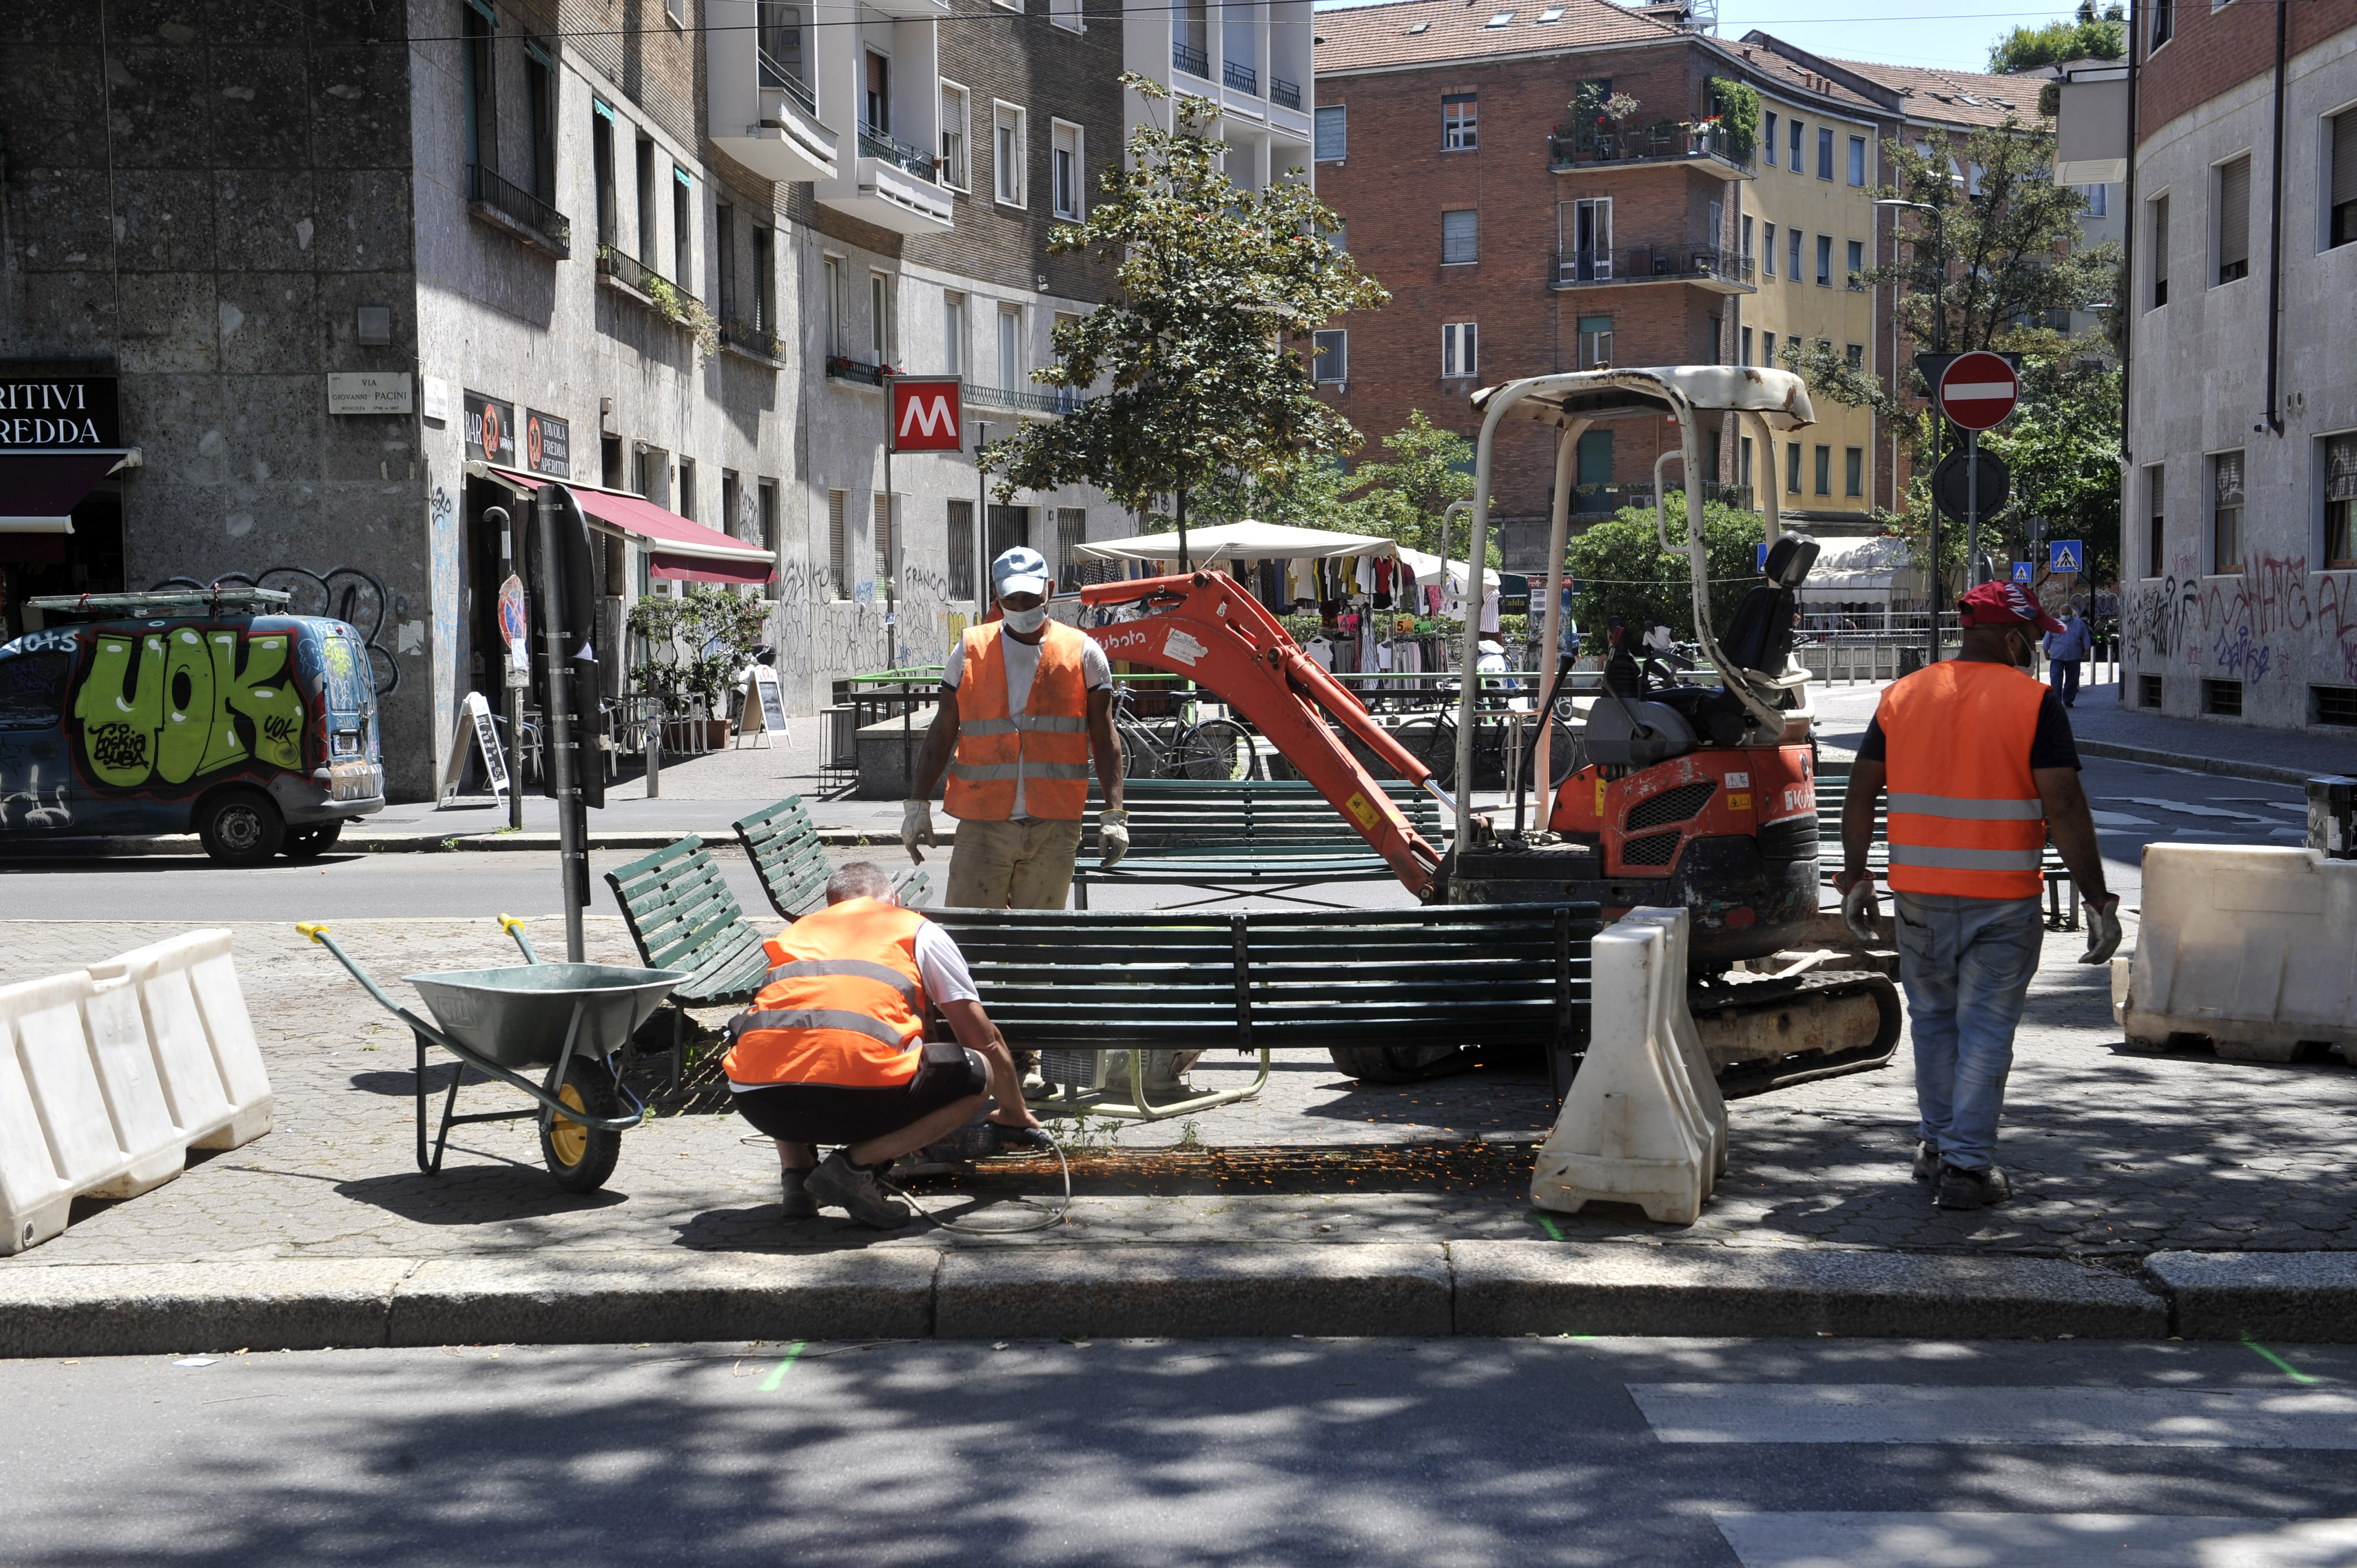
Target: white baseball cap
(1021,570)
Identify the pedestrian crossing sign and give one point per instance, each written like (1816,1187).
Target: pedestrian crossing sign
(2022,571)
(2064,555)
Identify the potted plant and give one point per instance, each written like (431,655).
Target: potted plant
(691,649)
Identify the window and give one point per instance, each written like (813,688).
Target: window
(2340,195)
(540,123)
(723,227)
(732,492)
(647,252)
(1747,237)
(1854,471)
(1793,255)
(2334,705)
(961,542)
(1858,161)
(875,97)
(1792,468)
(1460,236)
(1596,456)
(1768,349)
(880,534)
(884,317)
(2164,22)
(1747,345)
(1584,230)
(767,490)
(2339,503)
(1459,351)
(1333,133)
(1768,140)
(2147,691)
(1825,152)
(1007,154)
(836,501)
(1457,123)
(1768,250)
(1071,533)
(953,334)
(1824,261)
(1710,355)
(2226,513)
(1745,479)
(2233,223)
(1066,14)
(601,158)
(480,84)
(1595,342)
(2159,205)
(837,336)
(1008,527)
(2223,699)
(1856,273)
(956,170)
(1331,356)
(1500,19)
(2154,533)
(1798,167)
(677,11)
(765,279)
(687,488)
(2098,198)
(1010,347)
(1064,170)
(1825,471)
(682,230)
(1338,238)
(33,690)
(1855,353)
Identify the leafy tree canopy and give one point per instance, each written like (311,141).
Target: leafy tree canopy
(1623,572)
(2084,37)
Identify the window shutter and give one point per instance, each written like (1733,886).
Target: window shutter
(884,535)
(2344,157)
(834,543)
(2234,213)
(2340,466)
(2228,466)
(1459,235)
(1333,133)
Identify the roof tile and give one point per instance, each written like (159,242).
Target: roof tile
(1417,32)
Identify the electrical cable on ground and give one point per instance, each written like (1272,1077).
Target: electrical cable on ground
(1053,1219)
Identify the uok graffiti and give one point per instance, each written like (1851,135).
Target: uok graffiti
(178,703)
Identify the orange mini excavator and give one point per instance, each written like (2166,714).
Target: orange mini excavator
(1687,797)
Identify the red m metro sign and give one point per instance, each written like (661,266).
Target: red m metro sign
(926,413)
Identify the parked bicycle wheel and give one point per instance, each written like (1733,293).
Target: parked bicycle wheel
(1140,757)
(1432,742)
(1217,748)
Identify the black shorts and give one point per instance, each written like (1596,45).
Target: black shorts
(830,1115)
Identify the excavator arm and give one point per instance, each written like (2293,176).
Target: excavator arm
(1205,626)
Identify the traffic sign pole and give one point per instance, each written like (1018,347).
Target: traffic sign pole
(1973,508)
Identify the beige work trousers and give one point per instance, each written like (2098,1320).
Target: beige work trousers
(1021,864)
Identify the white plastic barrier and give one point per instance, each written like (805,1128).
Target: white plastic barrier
(1643,1123)
(109,1075)
(2255,948)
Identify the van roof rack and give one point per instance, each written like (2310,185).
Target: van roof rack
(61,609)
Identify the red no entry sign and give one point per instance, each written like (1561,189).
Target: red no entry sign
(1978,389)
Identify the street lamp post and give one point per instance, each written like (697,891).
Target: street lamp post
(1939,345)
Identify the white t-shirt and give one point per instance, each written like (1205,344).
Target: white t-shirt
(1021,661)
(942,967)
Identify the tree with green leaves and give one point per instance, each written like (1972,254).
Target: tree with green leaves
(1214,288)
(2086,36)
(1624,574)
(1405,497)
(2062,445)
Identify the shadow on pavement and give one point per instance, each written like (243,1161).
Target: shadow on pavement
(474,1194)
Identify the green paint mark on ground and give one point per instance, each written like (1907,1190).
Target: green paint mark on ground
(777,1373)
(1548,1226)
(2285,1368)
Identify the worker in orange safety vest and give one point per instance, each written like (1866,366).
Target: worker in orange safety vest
(832,1050)
(1981,768)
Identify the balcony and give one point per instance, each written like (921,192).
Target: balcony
(893,186)
(1721,272)
(620,270)
(859,372)
(1193,60)
(1238,78)
(741,337)
(1052,402)
(1284,93)
(1664,142)
(773,129)
(517,212)
(1594,502)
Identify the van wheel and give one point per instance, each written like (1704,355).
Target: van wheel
(240,827)
(310,843)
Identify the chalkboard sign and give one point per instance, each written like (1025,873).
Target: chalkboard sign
(474,719)
(767,703)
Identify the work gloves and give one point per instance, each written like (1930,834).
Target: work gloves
(916,826)
(1113,838)
(2103,931)
(1858,912)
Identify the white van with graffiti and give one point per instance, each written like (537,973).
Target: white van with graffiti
(138,713)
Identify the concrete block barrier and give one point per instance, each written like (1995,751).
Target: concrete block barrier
(56,1139)
(1193,1293)
(2288,1297)
(1637,1126)
(200,1035)
(2256,948)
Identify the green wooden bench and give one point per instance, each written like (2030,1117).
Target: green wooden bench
(1245,837)
(1832,788)
(791,863)
(1392,995)
(682,915)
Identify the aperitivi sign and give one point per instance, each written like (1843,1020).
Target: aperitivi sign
(44,412)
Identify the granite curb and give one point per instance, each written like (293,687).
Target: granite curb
(1487,1289)
(2191,762)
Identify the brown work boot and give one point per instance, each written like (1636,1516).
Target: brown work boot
(1963,1188)
(856,1191)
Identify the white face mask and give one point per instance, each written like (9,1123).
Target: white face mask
(1024,621)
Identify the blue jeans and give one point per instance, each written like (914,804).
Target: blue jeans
(1966,964)
(2066,680)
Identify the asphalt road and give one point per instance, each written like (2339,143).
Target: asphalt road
(1463,1454)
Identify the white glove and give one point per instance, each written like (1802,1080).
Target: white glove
(1858,912)
(2103,931)
(1113,838)
(916,826)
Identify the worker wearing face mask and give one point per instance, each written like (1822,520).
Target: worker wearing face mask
(1981,768)
(1027,705)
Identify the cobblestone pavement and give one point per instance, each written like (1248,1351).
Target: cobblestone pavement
(2112,1152)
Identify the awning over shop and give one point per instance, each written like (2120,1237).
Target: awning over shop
(680,549)
(40,486)
(1244,540)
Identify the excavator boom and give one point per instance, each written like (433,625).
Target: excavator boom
(1204,626)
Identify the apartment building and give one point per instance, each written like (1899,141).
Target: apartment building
(1253,59)
(2239,553)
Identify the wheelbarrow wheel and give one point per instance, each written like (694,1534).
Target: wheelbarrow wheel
(578,1157)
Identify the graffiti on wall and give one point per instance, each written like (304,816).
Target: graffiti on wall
(2245,625)
(352,594)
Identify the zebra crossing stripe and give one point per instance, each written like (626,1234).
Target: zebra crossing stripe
(2033,1540)
(2324,1419)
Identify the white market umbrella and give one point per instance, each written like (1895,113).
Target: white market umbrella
(1427,570)
(1244,541)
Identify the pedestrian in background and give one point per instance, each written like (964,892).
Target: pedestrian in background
(1981,768)
(2067,650)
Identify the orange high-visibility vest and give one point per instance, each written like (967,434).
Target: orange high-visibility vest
(1966,817)
(1047,743)
(844,1004)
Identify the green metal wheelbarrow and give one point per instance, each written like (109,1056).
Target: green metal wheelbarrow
(569,1017)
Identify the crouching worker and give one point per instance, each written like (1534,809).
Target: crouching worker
(833,1050)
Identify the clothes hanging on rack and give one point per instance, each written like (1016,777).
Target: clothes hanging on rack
(1490,625)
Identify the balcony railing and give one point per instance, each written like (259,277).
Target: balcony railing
(1600,501)
(1284,92)
(875,144)
(844,368)
(778,76)
(1055,399)
(1650,263)
(1664,141)
(740,334)
(1191,60)
(488,188)
(632,273)
(1243,78)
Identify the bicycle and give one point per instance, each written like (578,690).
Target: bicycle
(1176,749)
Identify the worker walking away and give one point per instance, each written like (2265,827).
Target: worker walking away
(833,1050)
(1981,768)
(1027,705)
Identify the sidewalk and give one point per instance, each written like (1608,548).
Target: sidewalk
(1301,1209)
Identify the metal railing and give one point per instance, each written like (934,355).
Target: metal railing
(631,272)
(1601,500)
(1650,263)
(1055,399)
(1664,141)
(875,144)
(794,87)
(1284,92)
(1193,62)
(844,368)
(512,201)
(740,333)
(1243,78)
